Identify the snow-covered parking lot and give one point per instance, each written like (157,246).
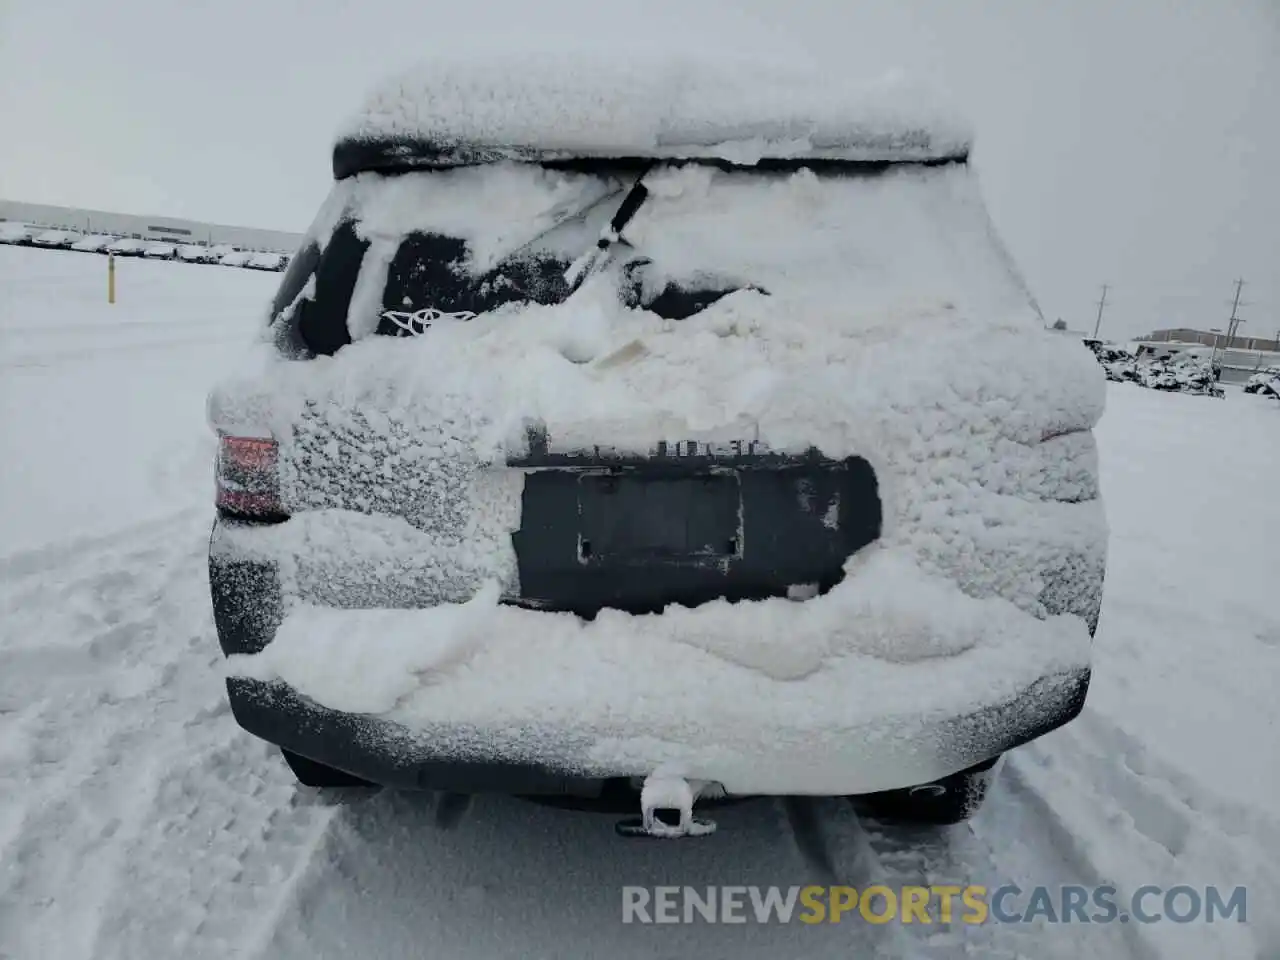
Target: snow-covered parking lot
(137,820)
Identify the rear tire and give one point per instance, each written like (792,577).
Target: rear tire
(950,800)
(313,774)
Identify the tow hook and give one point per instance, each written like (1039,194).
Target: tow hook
(666,811)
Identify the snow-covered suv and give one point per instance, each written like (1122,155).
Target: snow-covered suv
(1265,383)
(656,433)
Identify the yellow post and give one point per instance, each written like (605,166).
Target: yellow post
(111,278)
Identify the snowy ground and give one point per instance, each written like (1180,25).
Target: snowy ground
(100,404)
(136,820)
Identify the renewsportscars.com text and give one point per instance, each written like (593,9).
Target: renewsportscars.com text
(969,904)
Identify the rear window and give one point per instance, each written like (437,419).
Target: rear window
(393,251)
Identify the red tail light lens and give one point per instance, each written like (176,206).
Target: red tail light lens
(248,481)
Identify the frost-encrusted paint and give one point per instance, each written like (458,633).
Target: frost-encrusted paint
(893,329)
(393,457)
(409,431)
(579,104)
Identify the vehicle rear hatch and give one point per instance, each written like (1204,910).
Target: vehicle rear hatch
(634,523)
(712,483)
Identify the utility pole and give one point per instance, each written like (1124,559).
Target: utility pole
(1233,323)
(1235,320)
(1101,305)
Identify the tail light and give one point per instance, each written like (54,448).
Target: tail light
(248,483)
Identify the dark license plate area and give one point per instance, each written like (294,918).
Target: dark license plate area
(628,518)
(638,538)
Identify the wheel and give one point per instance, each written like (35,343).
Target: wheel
(313,774)
(952,799)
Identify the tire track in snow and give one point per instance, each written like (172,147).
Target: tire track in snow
(136,819)
(516,879)
(64,331)
(1031,837)
(1129,820)
(78,558)
(972,853)
(519,880)
(864,854)
(43,359)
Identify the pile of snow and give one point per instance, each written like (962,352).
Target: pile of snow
(712,686)
(549,104)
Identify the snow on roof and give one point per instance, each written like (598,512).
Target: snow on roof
(545,105)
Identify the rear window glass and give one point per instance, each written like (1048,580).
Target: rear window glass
(309,313)
(300,269)
(430,273)
(408,246)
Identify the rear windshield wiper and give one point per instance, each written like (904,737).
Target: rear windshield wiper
(592,260)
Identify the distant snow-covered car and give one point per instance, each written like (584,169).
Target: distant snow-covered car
(1180,373)
(15,233)
(1264,382)
(1117,363)
(198,253)
(1197,377)
(1269,387)
(55,239)
(94,243)
(127,247)
(1124,371)
(160,250)
(1159,376)
(265,261)
(235,258)
(659,433)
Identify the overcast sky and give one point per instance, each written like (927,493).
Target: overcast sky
(1134,142)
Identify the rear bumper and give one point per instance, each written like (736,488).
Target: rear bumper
(752,735)
(478,761)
